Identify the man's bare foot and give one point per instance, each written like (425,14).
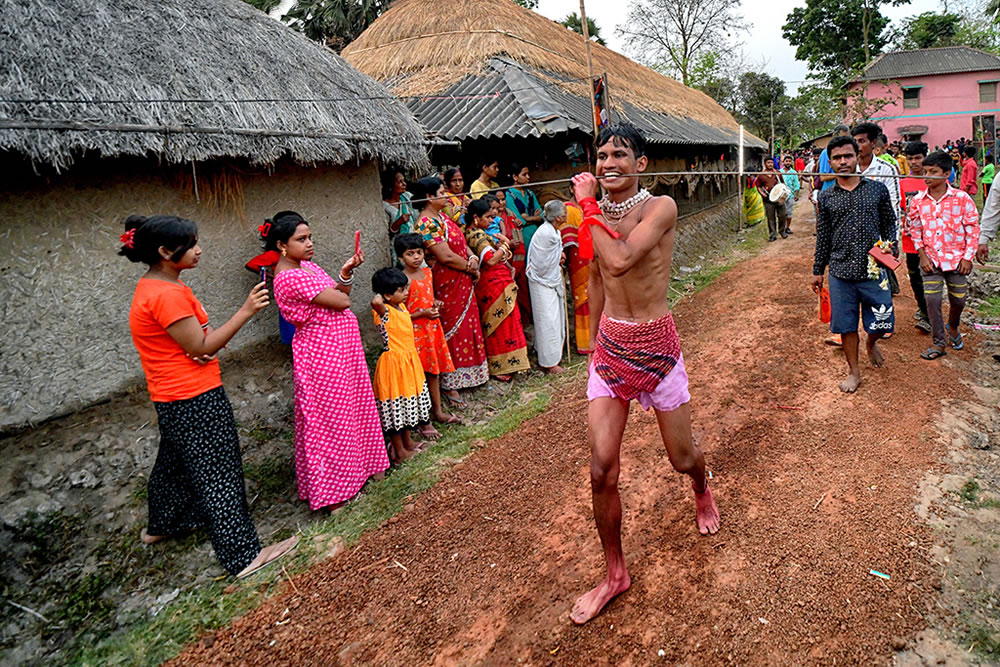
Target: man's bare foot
(555,370)
(851,384)
(591,603)
(269,554)
(875,354)
(151,539)
(707,514)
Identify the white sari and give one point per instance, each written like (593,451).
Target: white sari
(548,300)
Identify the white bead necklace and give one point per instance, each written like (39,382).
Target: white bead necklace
(616,210)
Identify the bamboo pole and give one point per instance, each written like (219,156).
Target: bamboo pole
(590,67)
(740,158)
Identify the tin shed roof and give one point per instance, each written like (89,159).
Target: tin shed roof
(924,62)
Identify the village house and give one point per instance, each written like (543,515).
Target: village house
(933,95)
(206,109)
(506,82)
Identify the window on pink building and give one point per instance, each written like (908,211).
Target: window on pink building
(987,91)
(911,98)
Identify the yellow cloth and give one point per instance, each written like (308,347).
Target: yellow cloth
(479,188)
(753,206)
(398,373)
(904,165)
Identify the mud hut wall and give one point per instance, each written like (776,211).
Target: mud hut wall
(66,293)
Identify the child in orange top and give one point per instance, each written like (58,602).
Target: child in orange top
(400,387)
(427,329)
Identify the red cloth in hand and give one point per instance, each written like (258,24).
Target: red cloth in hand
(265,259)
(586,238)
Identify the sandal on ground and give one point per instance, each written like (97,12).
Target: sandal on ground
(930,354)
(452,419)
(455,402)
(956,341)
(834,340)
(276,551)
(434,435)
(503,378)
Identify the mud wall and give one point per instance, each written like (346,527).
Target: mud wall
(699,233)
(66,293)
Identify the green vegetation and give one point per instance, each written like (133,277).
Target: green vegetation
(753,239)
(969,491)
(990,307)
(270,477)
(984,641)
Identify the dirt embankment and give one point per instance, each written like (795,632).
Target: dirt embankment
(816,490)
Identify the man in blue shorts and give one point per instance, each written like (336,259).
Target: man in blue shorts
(852,217)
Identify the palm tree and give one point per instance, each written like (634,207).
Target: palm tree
(573,23)
(335,22)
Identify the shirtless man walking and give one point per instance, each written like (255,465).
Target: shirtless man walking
(637,351)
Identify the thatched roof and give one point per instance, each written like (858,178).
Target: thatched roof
(458,48)
(116,69)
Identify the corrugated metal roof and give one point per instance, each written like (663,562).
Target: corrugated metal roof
(512,100)
(924,62)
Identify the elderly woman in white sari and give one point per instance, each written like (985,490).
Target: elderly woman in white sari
(545,283)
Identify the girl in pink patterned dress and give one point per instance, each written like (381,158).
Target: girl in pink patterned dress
(338,435)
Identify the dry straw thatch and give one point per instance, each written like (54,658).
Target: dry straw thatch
(421,47)
(112,57)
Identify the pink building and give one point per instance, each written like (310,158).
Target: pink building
(935,95)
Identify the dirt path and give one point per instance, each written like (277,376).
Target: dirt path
(485,566)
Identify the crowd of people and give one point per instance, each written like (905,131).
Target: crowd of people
(467,272)
(872,199)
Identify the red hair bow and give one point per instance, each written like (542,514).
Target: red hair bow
(264,229)
(128,238)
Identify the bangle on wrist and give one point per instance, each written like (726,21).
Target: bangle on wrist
(345,281)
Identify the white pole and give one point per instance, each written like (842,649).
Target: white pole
(741,176)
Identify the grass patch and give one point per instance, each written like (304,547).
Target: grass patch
(989,503)
(209,607)
(740,248)
(271,477)
(969,491)
(984,641)
(990,307)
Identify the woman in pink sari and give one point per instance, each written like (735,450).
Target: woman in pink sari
(454,269)
(338,435)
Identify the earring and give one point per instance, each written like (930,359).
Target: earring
(284,252)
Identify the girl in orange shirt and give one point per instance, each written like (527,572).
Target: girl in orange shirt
(197,479)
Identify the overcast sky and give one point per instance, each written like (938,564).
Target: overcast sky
(763,43)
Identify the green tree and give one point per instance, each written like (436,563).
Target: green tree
(815,108)
(837,37)
(669,35)
(717,77)
(761,98)
(927,30)
(334,22)
(573,23)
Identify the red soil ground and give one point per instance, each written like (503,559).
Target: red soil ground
(485,567)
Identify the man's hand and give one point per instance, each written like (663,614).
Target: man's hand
(584,185)
(926,265)
(817,283)
(965,267)
(982,253)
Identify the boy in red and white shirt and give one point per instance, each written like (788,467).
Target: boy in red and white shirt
(944,225)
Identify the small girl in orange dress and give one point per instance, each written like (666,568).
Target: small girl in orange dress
(400,387)
(427,330)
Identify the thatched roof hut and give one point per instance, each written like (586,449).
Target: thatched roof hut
(499,70)
(185,80)
(206,109)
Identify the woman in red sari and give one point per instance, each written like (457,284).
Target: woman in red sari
(455,269)
(506,348)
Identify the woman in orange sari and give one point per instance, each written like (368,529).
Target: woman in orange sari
(496,293)
(579,275)
(454,269)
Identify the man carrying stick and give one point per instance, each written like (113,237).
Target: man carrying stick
(636,350)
